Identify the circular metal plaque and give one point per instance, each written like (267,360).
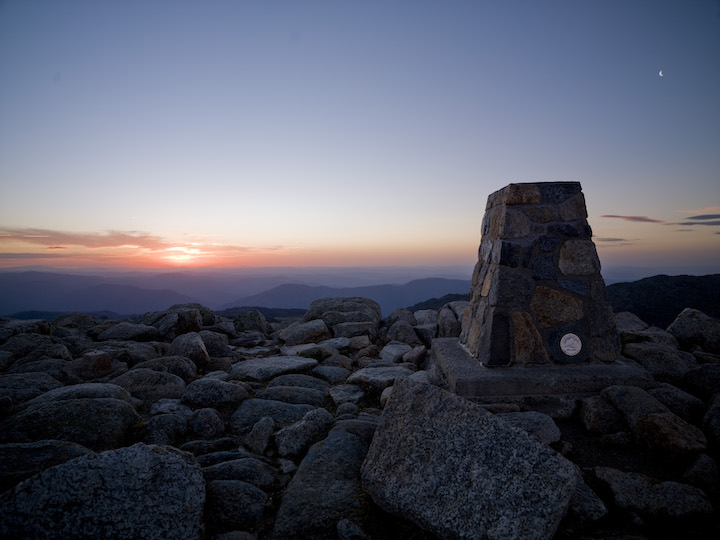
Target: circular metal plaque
(571,344)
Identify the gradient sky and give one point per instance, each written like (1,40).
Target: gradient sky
(263,133)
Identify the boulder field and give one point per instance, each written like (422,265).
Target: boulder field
(185,424)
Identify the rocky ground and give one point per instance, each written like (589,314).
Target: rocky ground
(183,424)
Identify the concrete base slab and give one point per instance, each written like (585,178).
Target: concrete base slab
(467,377)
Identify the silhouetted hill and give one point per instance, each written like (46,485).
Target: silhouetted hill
(389,297)
(271,314)
(437,303)
(52,315)
(47,291)
(658,300)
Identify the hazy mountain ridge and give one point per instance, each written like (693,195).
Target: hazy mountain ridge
(132,293)
(389,297)
(657,300)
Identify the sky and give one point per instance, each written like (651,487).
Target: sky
(351,133)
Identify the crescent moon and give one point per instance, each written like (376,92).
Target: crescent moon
(660,73)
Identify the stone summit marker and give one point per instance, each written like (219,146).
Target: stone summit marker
(539,320)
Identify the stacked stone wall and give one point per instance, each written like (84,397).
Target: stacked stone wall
(538,295)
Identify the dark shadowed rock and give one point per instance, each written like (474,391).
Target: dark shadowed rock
(177,365)
(84,390)
(127,331)
(294,394)
(649,497)
(334,374)
(247,469)
(404,332)
(22,387)
(259,437)
(272,366)
(215,343)
(670,434)
(165,429)
(585,505)
(149,385)
(346,309)
(234,504)
(664,363)
(294,439)
(703,473)
(21,345)
(252,410)
(685,405)
(298,379)
(704,380)
(209,392)
(325,489)
(305,332)
(252,320)
(51,366)
(151,492)
(206,423)
(652,422)
(539,425)
(711,421)
(19,461)
(394,351)
(191,346)
(98,424)
(379,377)
(455,470)
(344,393)
(400,314)
(629,322)
(693,328)
(598,416)
(95,364)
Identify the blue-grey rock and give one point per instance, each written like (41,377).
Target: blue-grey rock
(234,504)
(212,392)
(455,470)
(22,387)
(252,410)
(325,489)
(539,425)
(98,424)
(292,440)
(149,385)
(298,379)
(651,498)
(262,369)
(150,492)
(206,423)
(126,331)
(294,394)
(379,377)
(177,365)
(19,461)
(247,469)
(333,374)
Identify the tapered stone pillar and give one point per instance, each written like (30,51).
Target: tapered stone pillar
(537,293)
(539,330)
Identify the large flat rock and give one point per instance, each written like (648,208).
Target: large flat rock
(152,492)
(456,470)
(467,377)
(266,368)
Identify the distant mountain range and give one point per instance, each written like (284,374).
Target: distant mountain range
(658,300)
(139,292)
(389,297)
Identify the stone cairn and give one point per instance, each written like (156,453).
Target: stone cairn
(537,294)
